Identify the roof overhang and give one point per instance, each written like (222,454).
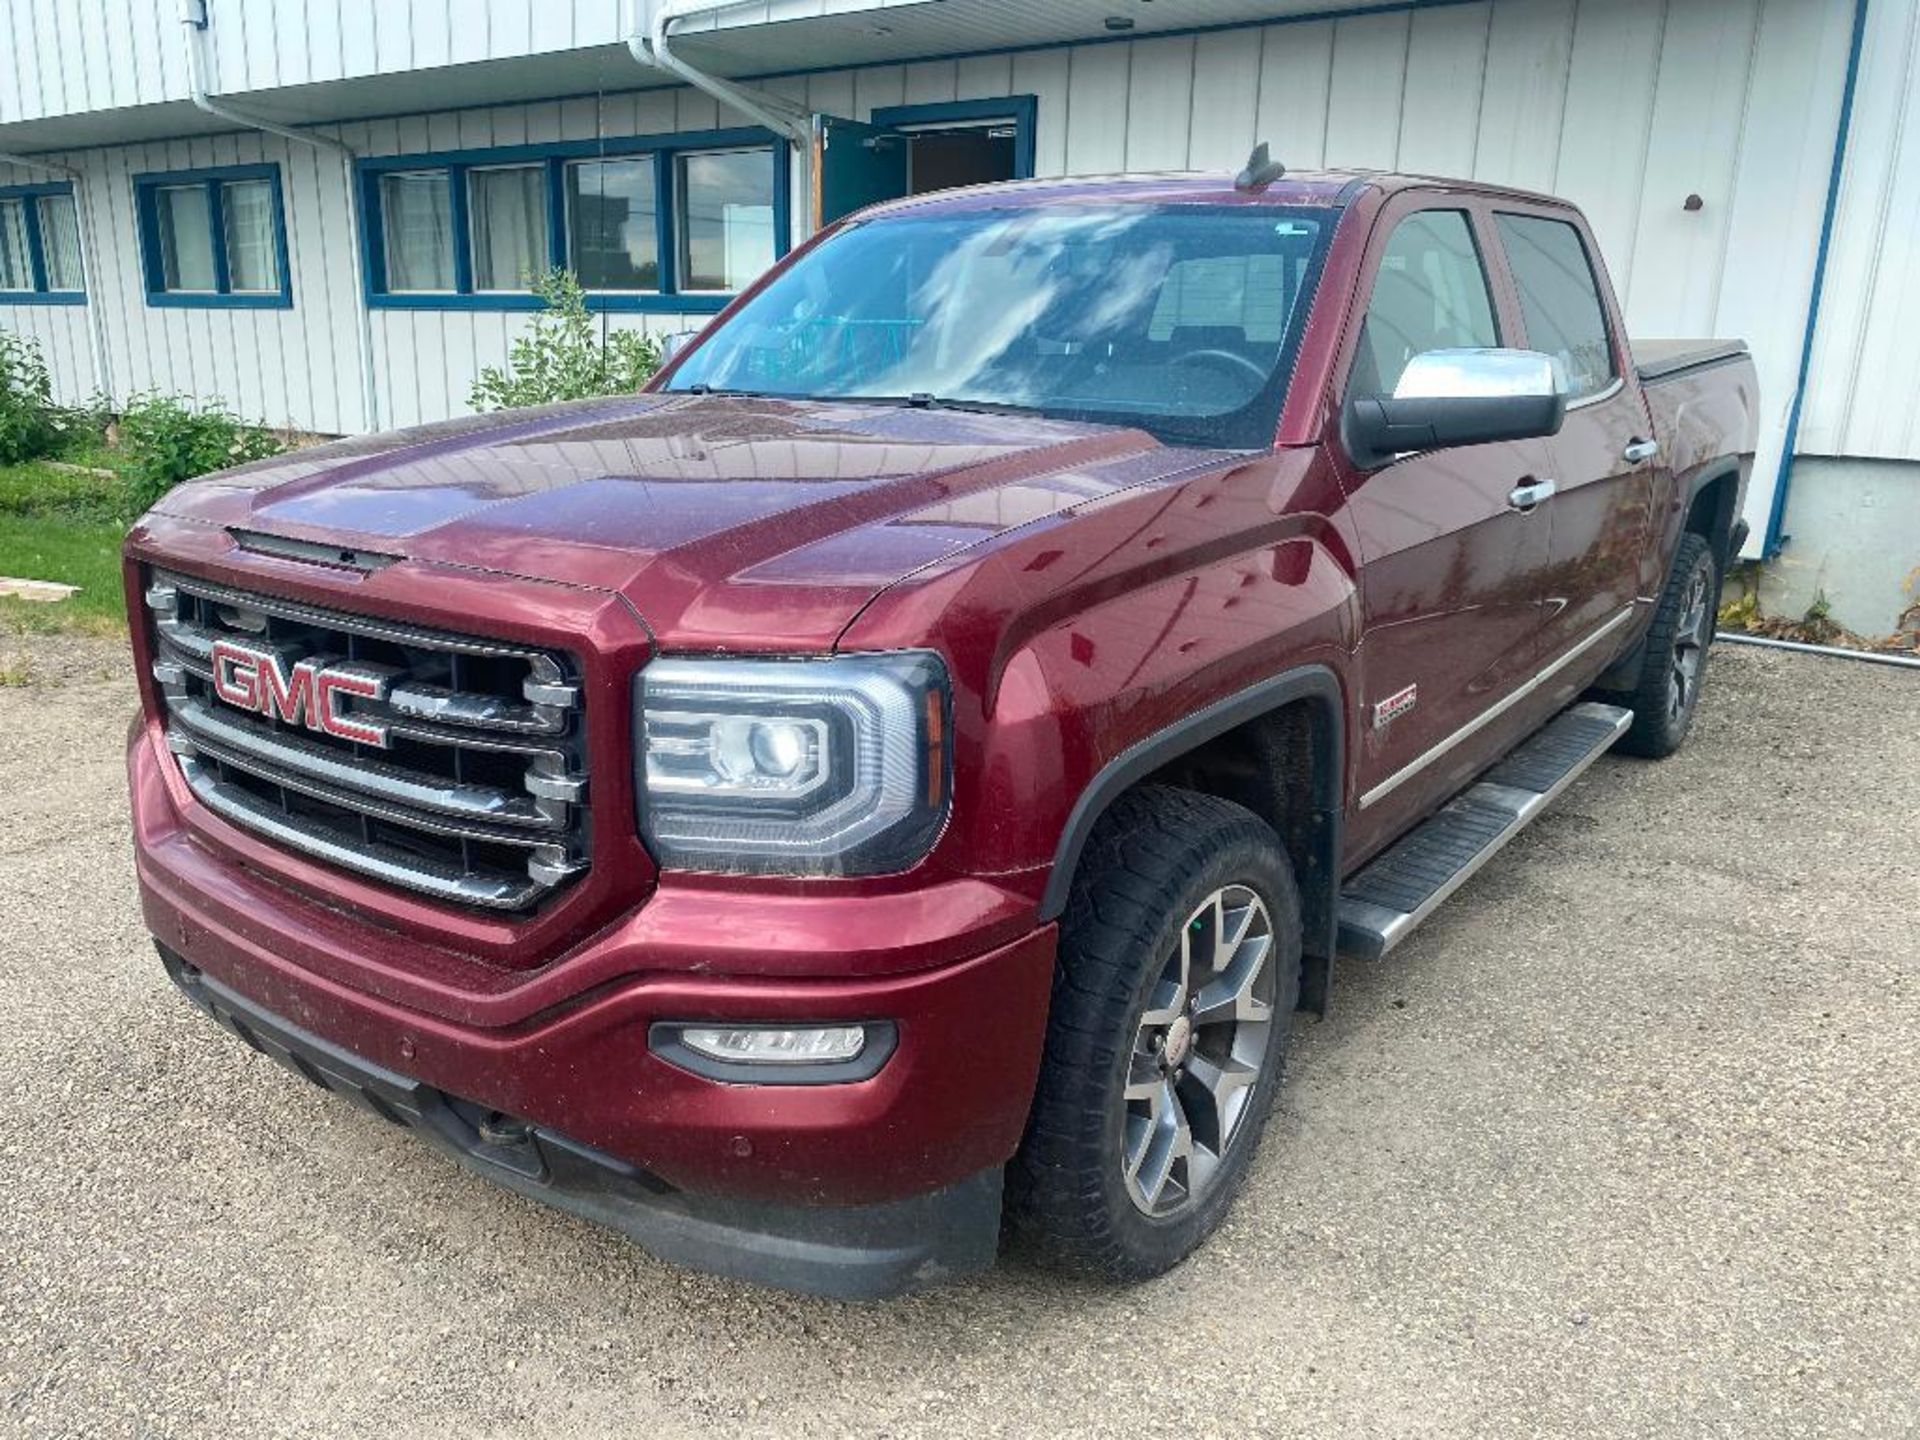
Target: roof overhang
(762,40)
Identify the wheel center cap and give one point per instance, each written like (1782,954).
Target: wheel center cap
(1179,1037)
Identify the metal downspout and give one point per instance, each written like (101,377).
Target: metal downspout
(652,46)
(96,322)
(194,21)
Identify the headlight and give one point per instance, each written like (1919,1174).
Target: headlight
(803,767)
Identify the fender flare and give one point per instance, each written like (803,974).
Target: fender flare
(1318,880)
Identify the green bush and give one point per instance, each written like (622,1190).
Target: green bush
(561,358)
(29,420)
(168,439)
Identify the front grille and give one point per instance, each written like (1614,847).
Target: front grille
(479,795)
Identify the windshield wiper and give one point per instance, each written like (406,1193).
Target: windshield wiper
(926,400)
(702,388)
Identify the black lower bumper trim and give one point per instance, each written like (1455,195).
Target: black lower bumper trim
(846,1252)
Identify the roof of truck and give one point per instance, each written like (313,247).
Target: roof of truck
(1297,187)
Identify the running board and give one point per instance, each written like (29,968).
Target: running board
(1380,906)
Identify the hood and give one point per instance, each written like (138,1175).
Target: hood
(725,521)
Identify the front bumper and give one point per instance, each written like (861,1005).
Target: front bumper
(856,1252)
(563,1047)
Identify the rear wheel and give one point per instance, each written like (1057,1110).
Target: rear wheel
(1179,972)
(1674,665)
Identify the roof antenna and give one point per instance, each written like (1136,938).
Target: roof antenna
(1262,170)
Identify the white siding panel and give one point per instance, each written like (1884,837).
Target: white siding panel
(1368,76)
(1296,64)
(1097,85)
(1440,104)
(1698,110)
(1159,103)
(1603,137)
(1045,73)
(1226,97)
(1861,395)
(1529,46)
(1765,279)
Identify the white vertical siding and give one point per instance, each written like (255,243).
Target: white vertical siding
(300,368)
(1863,395)
(108,54)
(1625,106)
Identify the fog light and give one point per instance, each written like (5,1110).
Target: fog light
(824,1046)
(776,1054)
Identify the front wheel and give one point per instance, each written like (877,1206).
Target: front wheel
(1675,660)
(1179,972)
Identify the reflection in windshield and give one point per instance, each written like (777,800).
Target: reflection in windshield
(1179,319)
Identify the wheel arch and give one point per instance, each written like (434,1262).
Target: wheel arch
(1713,498)
(1261,725)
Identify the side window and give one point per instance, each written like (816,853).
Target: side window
(1559,299)
(1431,294)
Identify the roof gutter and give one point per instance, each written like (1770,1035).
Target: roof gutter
(96,320)
(650,42)
(194,20)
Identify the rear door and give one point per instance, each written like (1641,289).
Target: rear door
(1453,570)
(1603,460)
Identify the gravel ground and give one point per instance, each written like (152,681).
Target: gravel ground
(1622,1143)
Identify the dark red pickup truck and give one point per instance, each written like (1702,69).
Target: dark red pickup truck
(913,762)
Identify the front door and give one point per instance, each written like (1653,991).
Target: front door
(1603,462)
(1453,564)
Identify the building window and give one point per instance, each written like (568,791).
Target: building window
(613,224)
(214,238)
(507,210)
(40,246)
(724,220)
(418,214)
(663,223)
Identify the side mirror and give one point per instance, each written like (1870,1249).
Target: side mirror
(1457,397)
(672,344)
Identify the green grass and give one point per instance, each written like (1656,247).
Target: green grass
(76,552)
(65,525)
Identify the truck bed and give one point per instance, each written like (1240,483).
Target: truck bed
(1658,359)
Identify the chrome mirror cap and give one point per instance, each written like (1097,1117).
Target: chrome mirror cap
(1480,375)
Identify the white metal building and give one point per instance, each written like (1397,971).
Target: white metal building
(334,233)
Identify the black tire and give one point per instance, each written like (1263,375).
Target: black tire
(1155,860)
(1673,666)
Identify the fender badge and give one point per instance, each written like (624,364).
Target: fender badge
(1386,711)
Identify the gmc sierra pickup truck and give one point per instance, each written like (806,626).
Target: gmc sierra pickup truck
(902,773)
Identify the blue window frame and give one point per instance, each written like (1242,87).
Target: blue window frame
(40,253)
(215,238)
(677,222)
(1020,111)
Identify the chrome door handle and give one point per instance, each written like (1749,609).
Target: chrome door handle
(1526,497)
(1638,450)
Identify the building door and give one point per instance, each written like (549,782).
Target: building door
(917,150)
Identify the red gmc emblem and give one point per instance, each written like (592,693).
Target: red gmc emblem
(309,694)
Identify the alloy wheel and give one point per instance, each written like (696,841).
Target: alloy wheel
(1198,1051)
(1689,647)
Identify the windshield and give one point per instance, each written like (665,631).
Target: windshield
(1179,319)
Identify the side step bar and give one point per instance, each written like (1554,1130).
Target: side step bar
(1381,905)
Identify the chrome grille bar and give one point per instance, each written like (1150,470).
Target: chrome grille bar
(478,798)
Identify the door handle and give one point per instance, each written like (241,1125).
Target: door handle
(1525,497)
(1638,450)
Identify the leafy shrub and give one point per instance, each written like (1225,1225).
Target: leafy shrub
(168,438)
(29,420)
(561,358)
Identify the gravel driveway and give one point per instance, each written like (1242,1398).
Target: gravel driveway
(1622,1143)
